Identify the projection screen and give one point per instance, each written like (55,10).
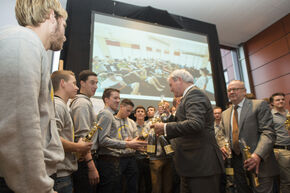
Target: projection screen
(137,57)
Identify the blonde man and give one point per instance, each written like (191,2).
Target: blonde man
(30,144)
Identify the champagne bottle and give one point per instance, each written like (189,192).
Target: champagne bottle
(152,145)
(230,185)
(165,144)
(246,155)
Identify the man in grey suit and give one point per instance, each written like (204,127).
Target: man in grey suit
(198,159)
(255,127)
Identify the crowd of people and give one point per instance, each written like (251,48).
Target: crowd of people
(52,144)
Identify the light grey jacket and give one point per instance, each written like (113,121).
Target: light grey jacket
(256,128)
(66,131)
(30,145)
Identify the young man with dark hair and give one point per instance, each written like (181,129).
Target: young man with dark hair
(111,141)
(150,112)
(144,176)
(30,144)
(128,131)
(83,115)
(219,135)
(282,143)
(64,85)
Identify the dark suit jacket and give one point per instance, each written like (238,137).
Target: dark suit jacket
(197,153)
(256,128)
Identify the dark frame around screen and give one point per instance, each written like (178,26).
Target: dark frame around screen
(76,53)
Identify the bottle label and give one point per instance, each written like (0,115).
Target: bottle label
(229,171)
(168,149)
(151,148)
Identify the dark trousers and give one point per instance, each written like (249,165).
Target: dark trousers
(109,170)
(81,182)
(242,184)
(144,176)
(3,187)
(207,184)
(129,170)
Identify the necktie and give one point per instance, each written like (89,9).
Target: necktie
(235,131)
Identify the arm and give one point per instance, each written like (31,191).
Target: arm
(105,120)
(22,157)
(195,106)
(81,147)
(69,146)
(266,130)
(81,118)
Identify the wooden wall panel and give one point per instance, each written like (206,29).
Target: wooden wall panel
(269,53)
(286,23)
(278,85)
(274,32)
(288,40)
(272,70)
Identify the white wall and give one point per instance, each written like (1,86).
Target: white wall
(7,16)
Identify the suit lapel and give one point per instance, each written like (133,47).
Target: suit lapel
(245,109)
(228,122)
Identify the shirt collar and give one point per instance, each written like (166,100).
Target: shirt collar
(274,111)
(109,109)
(187,89)
(241,103)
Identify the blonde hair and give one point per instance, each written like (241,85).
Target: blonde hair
(34,12)
(57,76)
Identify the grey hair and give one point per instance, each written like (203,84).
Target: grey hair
(239,81)
(181,73)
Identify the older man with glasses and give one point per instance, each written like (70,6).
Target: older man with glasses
(250,121)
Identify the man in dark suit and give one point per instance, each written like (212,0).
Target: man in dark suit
(255,126)
(198,159)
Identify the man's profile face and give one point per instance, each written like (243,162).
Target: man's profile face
(90,85)
(70,87)
(113,101)
(217,114)
(125,111)
(57,38)
(279,101)
(175,87)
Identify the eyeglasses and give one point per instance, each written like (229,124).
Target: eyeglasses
(234,89)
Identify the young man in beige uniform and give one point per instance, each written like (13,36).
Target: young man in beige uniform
(64,86)
(30,144)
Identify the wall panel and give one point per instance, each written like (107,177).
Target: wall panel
(272,70)
(269,53)
(268,56)
(274,32)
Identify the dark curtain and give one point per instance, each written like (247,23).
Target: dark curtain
(76,52)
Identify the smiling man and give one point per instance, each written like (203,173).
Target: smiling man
(114,141)
(198,160)
(282,144)
(250,120)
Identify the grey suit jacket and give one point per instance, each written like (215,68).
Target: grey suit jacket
(256,128)
(197,153)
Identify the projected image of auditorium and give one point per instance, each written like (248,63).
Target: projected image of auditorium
(137,58)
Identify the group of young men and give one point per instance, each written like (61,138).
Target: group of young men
(43,143)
